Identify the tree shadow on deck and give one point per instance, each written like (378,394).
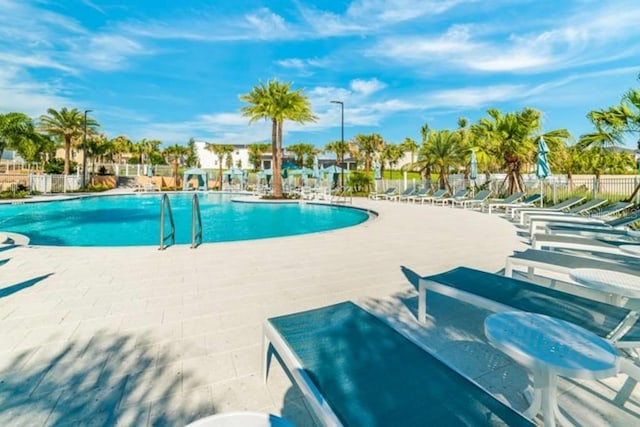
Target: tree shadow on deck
(106,379)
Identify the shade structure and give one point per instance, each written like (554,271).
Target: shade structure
(200,174)
(542,166)
(316,167)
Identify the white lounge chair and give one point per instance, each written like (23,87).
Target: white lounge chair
(476,201)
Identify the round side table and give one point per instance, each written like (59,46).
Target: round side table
(550,347)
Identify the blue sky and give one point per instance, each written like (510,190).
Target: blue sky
(171,70)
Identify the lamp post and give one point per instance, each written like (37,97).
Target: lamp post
(84,152)
(342,139)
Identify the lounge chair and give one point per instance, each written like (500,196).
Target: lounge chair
(478,200)
(378,196)
(579,243)
(517,213)
(540,223)
(494,204)
(402,196)
(528,202)
(356,370)
(534,222)
(616,226)
(498,293)
(439,194)
(557,262)
(457,196)
(425,192)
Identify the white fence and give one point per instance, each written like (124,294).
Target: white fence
(54,183)
(556,187)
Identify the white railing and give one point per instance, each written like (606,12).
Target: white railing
(54,183)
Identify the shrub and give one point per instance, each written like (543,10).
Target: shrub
(56,166)
(360,181)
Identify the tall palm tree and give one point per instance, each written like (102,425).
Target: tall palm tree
(220,150)
(175,154)
(97,147)
(192,156)
(411,146)
(443,149)
(276,101)
(68,125)
(391,153)
(368,147)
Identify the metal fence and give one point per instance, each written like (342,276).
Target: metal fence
(555,188)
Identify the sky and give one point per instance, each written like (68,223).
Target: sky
(174,70)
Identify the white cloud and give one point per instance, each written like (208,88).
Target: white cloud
(366,87)
(18,92)
(265,23)
(474,97)
(109,52)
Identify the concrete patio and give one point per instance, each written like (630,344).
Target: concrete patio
(136,336)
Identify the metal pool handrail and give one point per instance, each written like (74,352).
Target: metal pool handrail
(196,223)
(166,206)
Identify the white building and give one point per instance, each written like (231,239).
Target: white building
(208,160)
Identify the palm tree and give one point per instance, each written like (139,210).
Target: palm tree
(121,145)
(97,146)
(220,150)
(175,154)
(255,154)
(442,150)
(512,139)
(411,146)
(392,154)
(67,125)
(192,156)
(276,102)
(368,147)
(302,151)
(14,128)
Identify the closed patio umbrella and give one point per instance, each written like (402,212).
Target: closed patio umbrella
(473,170)
(542,165)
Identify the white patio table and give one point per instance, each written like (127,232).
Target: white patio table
(241,419)
(620,286)
(550,347)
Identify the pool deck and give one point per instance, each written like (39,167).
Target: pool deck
(136,336)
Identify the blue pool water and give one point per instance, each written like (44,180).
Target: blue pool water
(134,220)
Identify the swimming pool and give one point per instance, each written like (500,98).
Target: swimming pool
(134,220)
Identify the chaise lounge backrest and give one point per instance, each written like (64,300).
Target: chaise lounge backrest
(500,293)
(356,370)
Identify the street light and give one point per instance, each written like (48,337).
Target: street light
(84,152)
(342,134)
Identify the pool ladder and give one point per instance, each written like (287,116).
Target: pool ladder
(196,223)
(165,206)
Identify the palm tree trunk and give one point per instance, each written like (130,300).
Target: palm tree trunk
(67,154)
(276,147)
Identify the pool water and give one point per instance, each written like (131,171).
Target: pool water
(134,220)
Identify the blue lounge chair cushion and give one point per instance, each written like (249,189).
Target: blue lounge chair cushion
(371,375)
(597,317)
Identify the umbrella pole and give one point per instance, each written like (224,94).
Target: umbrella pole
(541,193)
